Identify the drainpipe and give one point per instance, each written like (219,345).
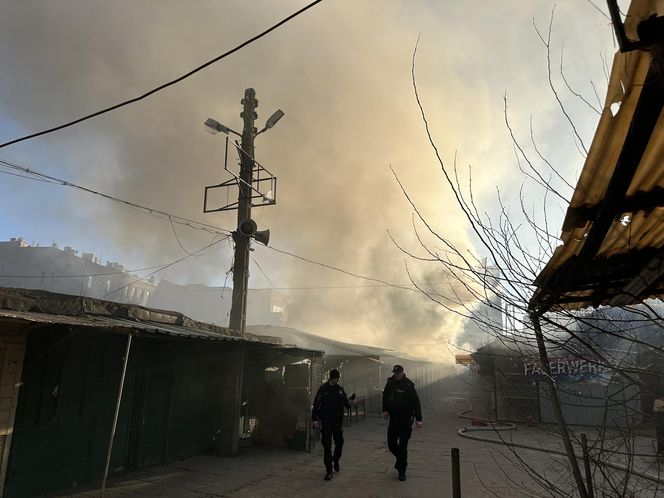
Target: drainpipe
(115,416)
(557,410)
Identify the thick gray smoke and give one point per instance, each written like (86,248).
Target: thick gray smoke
(341,73)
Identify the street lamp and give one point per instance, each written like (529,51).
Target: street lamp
(213,127)
(271,121)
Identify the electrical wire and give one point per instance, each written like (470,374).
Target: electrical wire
(175,234)
(274,287)
(292,309)
(345,272)
(24,176)
(172,263)
(197,225)
(111,273)
(103,274)
(343,287)
(201,226)
(165,85)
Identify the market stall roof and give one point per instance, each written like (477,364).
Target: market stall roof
(20,308)
(612,250)
(311,341)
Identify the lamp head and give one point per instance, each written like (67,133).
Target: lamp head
(272,120)
(213,126)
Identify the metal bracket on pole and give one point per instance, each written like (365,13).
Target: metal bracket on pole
(263,185)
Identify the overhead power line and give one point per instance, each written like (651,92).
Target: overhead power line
(173,218)
(380,283)
(128,271)
(165,85)
(341,270)
(36,175)
(347,287)
(24,176)
(187,256)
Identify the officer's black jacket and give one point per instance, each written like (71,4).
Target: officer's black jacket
(400,399)
(329,403)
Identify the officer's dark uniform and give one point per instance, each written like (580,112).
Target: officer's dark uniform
(658,415)
(400,400)
(328,409)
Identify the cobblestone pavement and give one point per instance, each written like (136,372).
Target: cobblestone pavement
(366,466)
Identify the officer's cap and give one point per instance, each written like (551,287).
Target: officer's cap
(397,369)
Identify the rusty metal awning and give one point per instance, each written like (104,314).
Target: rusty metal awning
(20,308)
(612,248)
(311,341)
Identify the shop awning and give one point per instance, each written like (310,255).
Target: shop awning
(612,250)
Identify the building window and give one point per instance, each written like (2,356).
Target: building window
(89,282)
(277,309)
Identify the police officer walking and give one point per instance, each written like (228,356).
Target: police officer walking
(658,415)
(328,414)
(401,405)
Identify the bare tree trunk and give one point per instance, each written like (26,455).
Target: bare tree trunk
(557,410)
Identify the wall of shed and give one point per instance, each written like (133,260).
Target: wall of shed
(12,350)
(590,403)
(171,406)
(513,396)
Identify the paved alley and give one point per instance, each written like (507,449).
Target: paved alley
(367,467)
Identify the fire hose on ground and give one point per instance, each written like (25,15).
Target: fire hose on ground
(506,426)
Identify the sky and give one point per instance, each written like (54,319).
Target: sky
(341,72)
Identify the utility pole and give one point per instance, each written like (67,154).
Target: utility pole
(238,316)
(256,187)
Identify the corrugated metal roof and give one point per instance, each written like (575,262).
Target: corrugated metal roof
(172,330)
(106,322)
(613,233)
(311,341)
(25,316)
(118,323)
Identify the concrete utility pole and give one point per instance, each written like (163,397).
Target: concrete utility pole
(256,187)
(238,316)
(250,182)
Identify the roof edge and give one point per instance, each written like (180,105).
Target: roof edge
(39,301)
